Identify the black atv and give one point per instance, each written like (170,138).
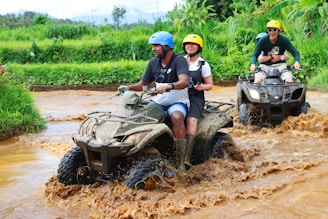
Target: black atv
(136,146)
(270,102)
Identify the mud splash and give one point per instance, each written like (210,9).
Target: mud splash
(278,160)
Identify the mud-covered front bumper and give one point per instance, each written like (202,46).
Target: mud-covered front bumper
(100,156)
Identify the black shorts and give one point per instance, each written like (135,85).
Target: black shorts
(196,106)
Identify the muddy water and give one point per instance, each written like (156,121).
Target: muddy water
(285,174)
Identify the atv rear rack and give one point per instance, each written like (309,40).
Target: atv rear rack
(217,107)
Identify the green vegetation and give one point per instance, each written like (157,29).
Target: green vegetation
(229,42)
(41,51)
(77,74)
(18,113)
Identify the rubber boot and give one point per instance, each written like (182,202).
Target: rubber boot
(181,153)
(190,146)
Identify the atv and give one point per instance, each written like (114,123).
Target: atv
(136,144)
(270,102)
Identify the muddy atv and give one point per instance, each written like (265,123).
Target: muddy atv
(270,102)
(136,145)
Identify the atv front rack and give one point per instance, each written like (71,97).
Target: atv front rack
(135,119)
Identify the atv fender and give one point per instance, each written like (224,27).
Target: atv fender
(212,122)
(153,131)
(239,95)
(207,128)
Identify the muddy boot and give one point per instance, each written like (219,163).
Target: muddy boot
(181,153)
(190,146)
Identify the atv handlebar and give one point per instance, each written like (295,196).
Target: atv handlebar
(288,68)
(145,90)
(250,75)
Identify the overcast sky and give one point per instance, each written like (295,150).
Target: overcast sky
(69,9)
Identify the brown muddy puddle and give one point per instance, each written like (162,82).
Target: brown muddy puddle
(285,174)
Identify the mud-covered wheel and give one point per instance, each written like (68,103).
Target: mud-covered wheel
(244,113)
(148,173)
(302,108)
(223,146)
(72,168)
(250,115)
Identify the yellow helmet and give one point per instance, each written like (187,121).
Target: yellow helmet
(273,24)
(193,38)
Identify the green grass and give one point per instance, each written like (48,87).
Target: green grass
(18,112)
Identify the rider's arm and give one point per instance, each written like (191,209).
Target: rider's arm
(182,83)
(256,53)
(263,58)
(206,86)
(182,72)
(207,78)
(138,86)
(296,55)
(290,48)
(286,57)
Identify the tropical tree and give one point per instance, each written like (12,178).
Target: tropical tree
(41,19)
(118,14)
(313,13)
(221,8)
(193,15)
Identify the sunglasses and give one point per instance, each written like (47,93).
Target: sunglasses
(273,29)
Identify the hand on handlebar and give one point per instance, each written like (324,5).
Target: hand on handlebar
(252,68)
(162,89)
(297,65)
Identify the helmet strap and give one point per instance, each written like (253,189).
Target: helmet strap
(165,50)
(194,54)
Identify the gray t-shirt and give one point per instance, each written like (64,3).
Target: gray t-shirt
(155,72)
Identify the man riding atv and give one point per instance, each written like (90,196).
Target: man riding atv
(145,142)
(171,75)
(273,47)
(135,145)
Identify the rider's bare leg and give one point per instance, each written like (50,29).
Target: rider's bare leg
(258,80)
(289,80)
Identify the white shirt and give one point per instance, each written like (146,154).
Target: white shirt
(206,69)
(173,96)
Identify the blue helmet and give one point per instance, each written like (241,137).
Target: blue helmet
(162,38)
(260,35)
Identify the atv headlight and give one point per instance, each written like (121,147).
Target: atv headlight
(254,94)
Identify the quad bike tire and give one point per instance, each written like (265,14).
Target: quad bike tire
(244,113)
(249,115)
(302,108)
(146,173)
(73,169)
(224,147)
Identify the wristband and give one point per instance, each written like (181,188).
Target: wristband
(282,57)
(172,84)
(271,56)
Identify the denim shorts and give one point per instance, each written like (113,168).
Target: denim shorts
(181,107)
